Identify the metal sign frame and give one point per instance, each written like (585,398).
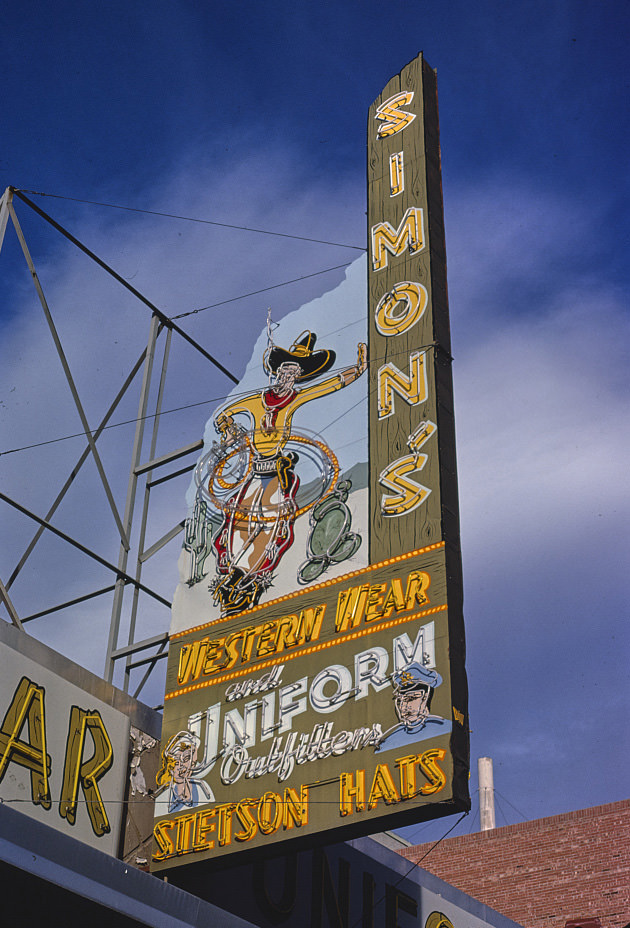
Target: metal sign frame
(146,471)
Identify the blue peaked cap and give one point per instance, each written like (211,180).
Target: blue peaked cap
(413,676)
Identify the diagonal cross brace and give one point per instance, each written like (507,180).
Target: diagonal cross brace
(70,379)
(77,467)
(164,319)
(120,574)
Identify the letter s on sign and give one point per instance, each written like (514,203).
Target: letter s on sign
(407,494)
(393,119)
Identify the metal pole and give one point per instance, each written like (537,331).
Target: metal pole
(151,661)
(139,466)
(6,599)
(5,202)
(486,794)
(136,456)
(145,504)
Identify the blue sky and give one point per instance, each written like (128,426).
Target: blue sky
(255,114)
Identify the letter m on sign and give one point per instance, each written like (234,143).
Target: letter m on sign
(389,241)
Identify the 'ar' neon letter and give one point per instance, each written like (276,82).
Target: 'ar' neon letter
(85,774)
(27,705)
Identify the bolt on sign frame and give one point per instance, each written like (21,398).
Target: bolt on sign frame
(338,708)
(134,517)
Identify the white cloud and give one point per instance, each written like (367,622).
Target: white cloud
(542,438)
(180,266)
(539,344)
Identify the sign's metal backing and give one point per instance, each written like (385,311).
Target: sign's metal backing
(316,686)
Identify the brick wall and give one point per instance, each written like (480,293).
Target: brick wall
(544,872)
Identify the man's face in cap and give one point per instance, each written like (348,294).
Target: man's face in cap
(411,708)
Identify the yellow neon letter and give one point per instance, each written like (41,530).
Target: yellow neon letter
(77,772)
(269,813)
(386,239)
(310,623)
(407,494)
(407,772)
(414,297)
(382,787)
(163,840)
(396,174)
(203,829)
(432,771)
(349,792)
(413,389)
(421,435)
(225,824)
(392,118)
(191,660)
(248,822)
(27,705)
(350,607)
(295,808)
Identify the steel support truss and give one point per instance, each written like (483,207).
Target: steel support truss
(127,571)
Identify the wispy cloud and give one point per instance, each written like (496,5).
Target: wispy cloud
(539,371)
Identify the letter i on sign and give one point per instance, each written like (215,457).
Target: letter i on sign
(396,174)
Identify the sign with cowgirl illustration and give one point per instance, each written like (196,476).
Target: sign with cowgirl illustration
(316,687)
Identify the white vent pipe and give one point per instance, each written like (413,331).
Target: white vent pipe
(486,794)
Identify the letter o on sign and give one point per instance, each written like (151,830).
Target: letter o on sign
(336,675)
(270,813)
(414,297)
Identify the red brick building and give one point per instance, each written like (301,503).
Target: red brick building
(547,872)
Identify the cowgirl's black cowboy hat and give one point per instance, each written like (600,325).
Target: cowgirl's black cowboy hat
(302,351)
